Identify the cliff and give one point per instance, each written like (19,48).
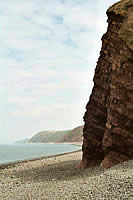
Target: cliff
(108,130)
(74,135)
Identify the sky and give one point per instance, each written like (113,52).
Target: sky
(48,54)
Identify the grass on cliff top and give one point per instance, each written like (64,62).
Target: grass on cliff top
(125,9)
(121,7)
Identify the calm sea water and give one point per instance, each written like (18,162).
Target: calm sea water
(15,152)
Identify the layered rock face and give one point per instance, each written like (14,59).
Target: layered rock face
(108,130)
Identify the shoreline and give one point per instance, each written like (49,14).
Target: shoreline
(71,143)
(14,163)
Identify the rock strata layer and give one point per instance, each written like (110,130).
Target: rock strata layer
(108,130)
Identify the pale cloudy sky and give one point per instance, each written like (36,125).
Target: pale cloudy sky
(48,54)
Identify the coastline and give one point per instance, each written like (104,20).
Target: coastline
(14,163)
(59,178)
(71,143)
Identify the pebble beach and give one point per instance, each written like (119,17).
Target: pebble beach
(59,178)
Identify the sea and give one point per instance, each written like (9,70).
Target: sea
(17,152)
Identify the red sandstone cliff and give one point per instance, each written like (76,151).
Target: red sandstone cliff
(108,130)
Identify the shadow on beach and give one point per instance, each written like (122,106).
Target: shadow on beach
(58,171)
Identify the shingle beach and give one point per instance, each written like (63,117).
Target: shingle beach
(59,178)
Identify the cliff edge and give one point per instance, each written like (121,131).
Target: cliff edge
(108,130)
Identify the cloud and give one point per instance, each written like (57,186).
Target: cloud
(21,100)
(48,54)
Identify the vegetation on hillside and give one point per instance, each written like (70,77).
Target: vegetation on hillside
(74,135)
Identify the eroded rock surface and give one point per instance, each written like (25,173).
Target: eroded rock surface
(108,130)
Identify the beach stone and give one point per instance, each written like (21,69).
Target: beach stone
(91,183)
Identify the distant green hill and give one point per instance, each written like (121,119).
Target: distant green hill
(74,135)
